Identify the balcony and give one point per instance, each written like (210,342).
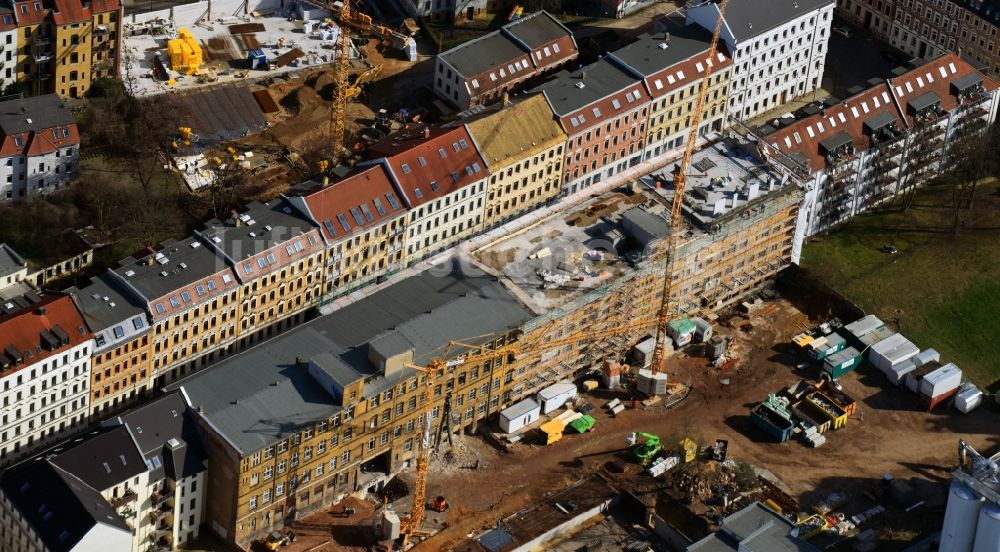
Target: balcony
(160,497)
(41,40)
(44,57)
(124,499)
(101,30)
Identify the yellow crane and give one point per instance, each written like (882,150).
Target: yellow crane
(435,368)
(668,307)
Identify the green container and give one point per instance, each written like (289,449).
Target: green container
(842,362)
(583,424)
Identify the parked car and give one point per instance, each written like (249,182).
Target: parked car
(890,249)
(842,31)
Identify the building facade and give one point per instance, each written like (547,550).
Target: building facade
(522,145)
(13,268)
(884,141)
(778,49)
(40,149)
(122,369)
(926,29)
(604,111)
(352,409)
(364,248)
(481,71)
(672,65)
(442,178)
(875,16)
(45,376)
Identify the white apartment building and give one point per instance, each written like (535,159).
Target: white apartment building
(883,141)
(13,267)
(39,146)
(137,484)
(441,177)
(45,354)
(778,48)
(8,51)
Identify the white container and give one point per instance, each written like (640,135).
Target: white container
(897,374)
(968,399)
(515,417)
(925,356)
(864,326)
(941,381)
(556,395)
(891,351)
(960,519)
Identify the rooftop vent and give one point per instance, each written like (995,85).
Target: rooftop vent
(580,85)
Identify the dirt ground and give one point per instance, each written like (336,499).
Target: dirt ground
(888,434)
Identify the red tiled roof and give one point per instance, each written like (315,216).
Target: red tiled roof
(668,80)
(331,207)
(22,330)
(74,11)
(39,142)
(805,135)
(432,164)
(31,12)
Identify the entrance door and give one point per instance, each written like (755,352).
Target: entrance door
(469,13)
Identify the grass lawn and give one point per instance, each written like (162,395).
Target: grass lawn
(941,290)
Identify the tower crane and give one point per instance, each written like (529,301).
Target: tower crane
(341,94)
(668,308)
(435,368)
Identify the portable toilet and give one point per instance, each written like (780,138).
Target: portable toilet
(257,59)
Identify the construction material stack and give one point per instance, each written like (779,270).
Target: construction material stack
(185,53)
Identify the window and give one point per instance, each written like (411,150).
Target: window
(253,502)
(268,472)
(266,496)
(418,193)
(463,144)
(262,263)
(357,216)
(174,302)
(597,112)
(248,268)
(343,222)
(555,48)
(137,323)
(406,168)
(442,153)
(378,204)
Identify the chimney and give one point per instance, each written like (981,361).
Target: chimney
(236,218)
(299,361)
(666,37)
(41,311)
(505,102)
(427,133)
(326,181)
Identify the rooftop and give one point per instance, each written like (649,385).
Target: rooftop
(10,261)
(537,29)
(58,506)
(431,164)
(103,303)
(747,19)
(755,528)
(37,327)
(103,460)
(262,395)
(682,50)
(983,478)
(367,192)
(167,436)
(34,113)
(516,131)
(568,91)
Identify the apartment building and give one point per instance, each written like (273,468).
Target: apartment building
(122,368)
(926,29)
(13,268)
(507,60)
(44,372)
(522,145)
(875,16)
(672,65)
(40,148)
(136,483)
(778,49)
(604,110)
(193,297)
(362,222)
(8,47)
(277,255)
(442,178)
(66,44)
(883,141)
(342,377)
(977,38)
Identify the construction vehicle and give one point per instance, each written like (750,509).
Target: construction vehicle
(515,13)
(439,504)
(363,22)
(647,450)
(275,540)
(364,77)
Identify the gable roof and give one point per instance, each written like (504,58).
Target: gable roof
(747,19)
(431,164)
(515,132)
(60,507)
(671,60)
(104,460)
(38,331)
(10,261)
(366,190)
(167,436)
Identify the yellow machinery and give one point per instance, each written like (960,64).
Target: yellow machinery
(364,77)
(689,449)
(363,23)
(185,53)
(552,430)
(411,525)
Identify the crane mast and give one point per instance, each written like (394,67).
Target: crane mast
(668,309)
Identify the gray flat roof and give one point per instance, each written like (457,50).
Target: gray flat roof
(755,528)
(750,18)
(34,113)
(879,121)
(248,239)
(104,304)
(648,57)
(537,29)
(600,80)
(199,262)
(648,222)
(839,139)
(965,81)
(10,261)
(261,396)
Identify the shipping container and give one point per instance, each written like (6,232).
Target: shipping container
(897,374)
(702,329)
(826,346)
(930,402)
(829,407)
(925,356)
(842,399)
(914,377)
(968,398)
(812,415)
(942,380)
(891,351)
(771,422)
(875,337)
(556,395)
(519,415)
(862,327)
(843,362)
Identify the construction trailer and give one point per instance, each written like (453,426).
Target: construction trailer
(519,415)
(843,362)
(940,385)
(891,351)
(825,346)
(556,395)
